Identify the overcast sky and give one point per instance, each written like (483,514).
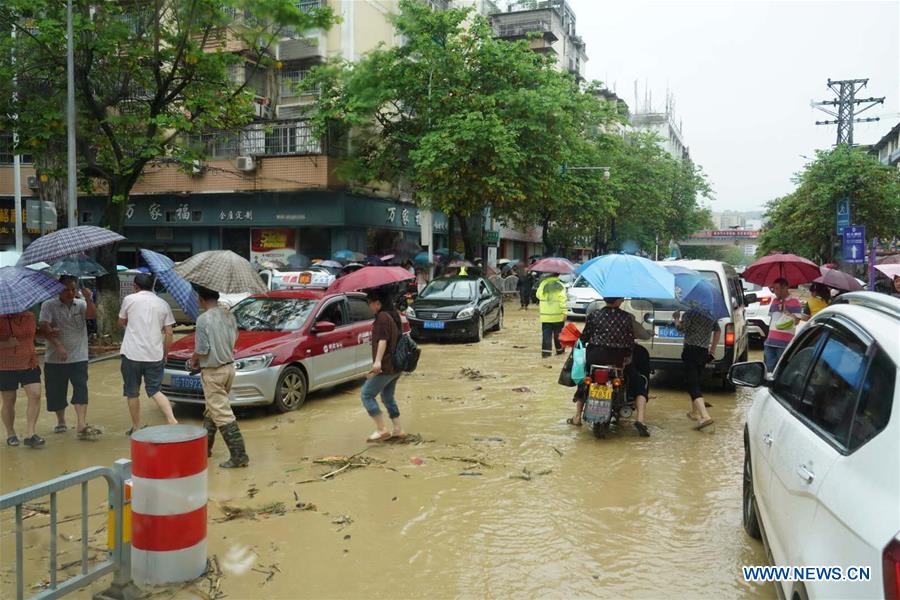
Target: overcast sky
(743,73)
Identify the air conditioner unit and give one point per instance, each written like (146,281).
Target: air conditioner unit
(245,163)
(32,182)
(197,167)
(262,111)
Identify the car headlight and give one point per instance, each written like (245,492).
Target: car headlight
(466,313)
(253,363)
(410,312)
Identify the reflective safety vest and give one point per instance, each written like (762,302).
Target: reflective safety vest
(552,295)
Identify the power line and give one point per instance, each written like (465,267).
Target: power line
(846,111)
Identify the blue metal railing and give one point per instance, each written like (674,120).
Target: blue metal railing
(119,560)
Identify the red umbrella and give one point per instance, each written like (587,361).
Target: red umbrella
(838,280)
(369,277)
(795,269)
(552,265)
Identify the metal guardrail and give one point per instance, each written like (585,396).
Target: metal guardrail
(119,560)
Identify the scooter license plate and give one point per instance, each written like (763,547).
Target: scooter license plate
(600,392)
(597,411)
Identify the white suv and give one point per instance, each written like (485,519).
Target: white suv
(822,450)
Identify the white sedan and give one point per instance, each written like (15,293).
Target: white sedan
(822,453)
(579,296)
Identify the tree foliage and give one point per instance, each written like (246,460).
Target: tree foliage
(804,222)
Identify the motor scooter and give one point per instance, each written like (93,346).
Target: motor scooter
(607,399)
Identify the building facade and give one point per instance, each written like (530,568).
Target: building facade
(887,149)
(664,126)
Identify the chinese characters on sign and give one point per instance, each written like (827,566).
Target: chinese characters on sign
(406,215)
(236,215)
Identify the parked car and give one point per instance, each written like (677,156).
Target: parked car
(289,343)
(821,477)
(126,286)
(456,308)
(667,342)
(757,313)
(579,296)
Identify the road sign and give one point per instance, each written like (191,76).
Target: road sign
(854,249)
(492,238)
(843,215)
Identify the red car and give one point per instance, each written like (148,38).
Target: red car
(289,343)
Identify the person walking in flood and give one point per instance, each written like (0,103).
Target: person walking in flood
(698,325)
(19,368)
(525,286)
(214,338)
(382,378)
(784,314)
(551,295)
(148,322)
(63,323)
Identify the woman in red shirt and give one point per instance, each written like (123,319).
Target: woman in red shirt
(19,367)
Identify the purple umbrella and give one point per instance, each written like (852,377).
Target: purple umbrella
(838,280)
(22,288)
(68,241)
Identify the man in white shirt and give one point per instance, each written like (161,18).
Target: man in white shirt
(148,322)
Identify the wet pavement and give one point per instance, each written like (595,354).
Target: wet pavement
(499,498)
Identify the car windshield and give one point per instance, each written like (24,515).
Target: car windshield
(273,314)
(581,282)
(752,287)
(672,305)
(450,289)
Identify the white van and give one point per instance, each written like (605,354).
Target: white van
(667,342)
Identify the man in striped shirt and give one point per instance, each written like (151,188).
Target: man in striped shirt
(785,313)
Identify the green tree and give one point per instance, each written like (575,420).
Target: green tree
(148,75)
(804,221)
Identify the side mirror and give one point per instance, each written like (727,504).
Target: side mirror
(750,299)
(748,374)
(734,303)
(323,327)
(648,318)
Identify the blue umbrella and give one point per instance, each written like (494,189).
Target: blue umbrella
(329,264)
(348,256)
(21,288)
(174,283)
(695,290)
(67,241)
(627,276)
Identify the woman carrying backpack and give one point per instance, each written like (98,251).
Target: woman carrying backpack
(382,379)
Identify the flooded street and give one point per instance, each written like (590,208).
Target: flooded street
(500,498)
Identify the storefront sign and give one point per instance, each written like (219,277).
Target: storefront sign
(492,238)
(271,244)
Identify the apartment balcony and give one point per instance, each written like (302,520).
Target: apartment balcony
(291,138)
(544,24)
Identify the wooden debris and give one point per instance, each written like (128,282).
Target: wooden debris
(241,512)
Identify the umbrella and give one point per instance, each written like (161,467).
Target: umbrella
(506,261)
(458,263)
(388,257)
(445,252)
(121,268)
(893,259)
(271,263)
(68,241)
(222,271)
(21,288)
(627,276)
(369,277)
(298,261)
(174,283)
(839,280)
(405,249)
(79,266)
(348,256)
(9,258)
(693,289)
(329,264)
(795,269)
(891,270)
(552,265)
(373,261)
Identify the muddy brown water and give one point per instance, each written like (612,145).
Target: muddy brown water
(501,498)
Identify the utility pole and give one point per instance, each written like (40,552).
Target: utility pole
(17,160)
(846,107)
(72,192)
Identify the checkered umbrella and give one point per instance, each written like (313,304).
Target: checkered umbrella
(174,283)
(22,288)
(79,266)
(222,271)
(68,241)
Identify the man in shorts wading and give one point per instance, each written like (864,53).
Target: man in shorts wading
(148,322)
(214,338)
(63,323)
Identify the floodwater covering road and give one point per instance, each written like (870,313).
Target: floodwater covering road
(500,498)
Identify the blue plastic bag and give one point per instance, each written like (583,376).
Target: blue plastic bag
(579,356)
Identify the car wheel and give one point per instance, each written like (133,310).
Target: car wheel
(290,393)
(750,518)
(499,324)
(479,330)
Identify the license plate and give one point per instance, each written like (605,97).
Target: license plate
(600,392)
(186,383)
(597,411)
(434,324)
(668,332)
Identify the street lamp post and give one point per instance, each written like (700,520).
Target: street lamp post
(72,200)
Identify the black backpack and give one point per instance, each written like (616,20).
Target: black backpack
(406,354)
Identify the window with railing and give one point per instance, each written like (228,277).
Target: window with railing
(7,153)
(308,6)
(291,83)
(261,139)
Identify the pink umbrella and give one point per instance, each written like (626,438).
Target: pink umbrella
(368,278)
(552,265)
(457,263)
(838,280)
(795,269)
(890,269)
(387,257)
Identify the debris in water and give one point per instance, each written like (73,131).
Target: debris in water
(519,347)
(416,460)
(557,450)
(463,459)
(347,537)
(307,506)
(472,373)
(394,499)
(470,474)
(342,520)
(252,490)
(489,438)
(522,390)
(409,438)
(245,512)
(527,475)
(477,388)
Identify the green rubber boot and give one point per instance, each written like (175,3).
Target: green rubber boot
(210,434)
(231,433)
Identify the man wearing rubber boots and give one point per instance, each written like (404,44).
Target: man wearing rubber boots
(215,334)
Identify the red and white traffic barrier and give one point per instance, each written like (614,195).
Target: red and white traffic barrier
(168,527)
